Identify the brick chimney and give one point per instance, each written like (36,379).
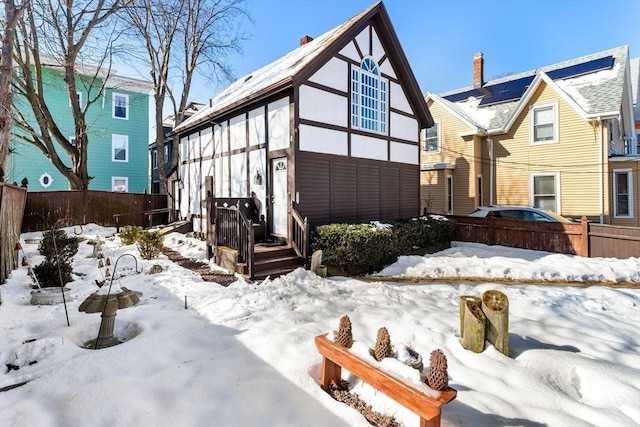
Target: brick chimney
(305,39)
(478,70)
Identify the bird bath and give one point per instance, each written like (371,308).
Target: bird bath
(107,304)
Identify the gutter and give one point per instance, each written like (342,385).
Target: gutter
(601,174)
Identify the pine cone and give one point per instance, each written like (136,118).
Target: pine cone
(383,345)
(345,337)
(438,360)
(437,379)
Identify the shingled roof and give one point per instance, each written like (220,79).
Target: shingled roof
(600,91)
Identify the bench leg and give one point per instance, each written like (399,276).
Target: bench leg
(433,422)
(330,372)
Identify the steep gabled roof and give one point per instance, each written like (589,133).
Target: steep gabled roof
(304,60)
(593,85)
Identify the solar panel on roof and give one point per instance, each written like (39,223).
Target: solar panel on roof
(507,91)
(576,70)
(463,95)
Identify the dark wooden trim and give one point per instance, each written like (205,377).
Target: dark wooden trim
(356,132)
(355,43)
(321,87)
(402,113)
(370,40)
(346,59)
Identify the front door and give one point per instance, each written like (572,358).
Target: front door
(279,196)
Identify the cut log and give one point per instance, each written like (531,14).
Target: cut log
(316,261)
(473,327)
(464,298)
(495,306)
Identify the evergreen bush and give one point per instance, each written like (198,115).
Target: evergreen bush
(364,248)
(58,249)
(149,244)
(130,234)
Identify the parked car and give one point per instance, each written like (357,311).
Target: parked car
(526,213)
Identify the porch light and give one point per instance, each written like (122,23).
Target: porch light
(257,179)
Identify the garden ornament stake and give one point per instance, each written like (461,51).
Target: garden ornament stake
(55,248)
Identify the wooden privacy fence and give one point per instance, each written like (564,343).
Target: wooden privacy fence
(44,208)
(12,203)
(582,238)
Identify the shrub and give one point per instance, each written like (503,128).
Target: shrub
(130,234)
(363,248)
(49,276)
(58,257)
(65,247)
(149,244)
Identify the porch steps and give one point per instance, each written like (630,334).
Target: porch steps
(274,261)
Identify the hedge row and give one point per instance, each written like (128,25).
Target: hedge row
(367,248)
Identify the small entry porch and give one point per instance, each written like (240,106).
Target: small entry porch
(238,240)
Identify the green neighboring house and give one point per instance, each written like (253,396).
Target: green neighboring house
(119,131)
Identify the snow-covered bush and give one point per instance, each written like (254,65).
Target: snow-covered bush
(58,250)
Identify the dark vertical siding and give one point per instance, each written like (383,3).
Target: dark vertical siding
(344,180)
(389,194)
(409,192)
(343,189)
(368,192)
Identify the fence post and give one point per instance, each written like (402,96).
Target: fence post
(584,247)
(492,237)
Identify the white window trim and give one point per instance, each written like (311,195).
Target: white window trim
(629,171)
(114,138)
(118,178)
(72,140)
(556,125)
(113,106)
(556,175)
(438,126)
(382,122)
(154,159)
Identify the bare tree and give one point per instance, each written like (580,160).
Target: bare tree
(12,13)
(182,37)
(63,35)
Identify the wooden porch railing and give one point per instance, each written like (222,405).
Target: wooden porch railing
(299,234)
(235,231)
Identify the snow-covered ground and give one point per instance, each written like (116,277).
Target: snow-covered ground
(245,355)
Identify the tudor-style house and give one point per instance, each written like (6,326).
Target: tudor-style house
(327,133)
(560,137)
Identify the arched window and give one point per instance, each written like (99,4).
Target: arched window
(368,98)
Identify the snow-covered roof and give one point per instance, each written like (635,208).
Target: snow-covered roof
(597,92)
(634,72)
(278,74)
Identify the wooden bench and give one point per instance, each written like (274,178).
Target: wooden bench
(335,357)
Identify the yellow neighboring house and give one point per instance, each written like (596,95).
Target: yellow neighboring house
(560,137)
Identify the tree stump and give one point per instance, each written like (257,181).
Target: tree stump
(316,261)
(473,299)
(495,306)
(473,325)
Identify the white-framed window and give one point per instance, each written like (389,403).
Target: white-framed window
(120,108)
(166,153)
(119,184)
(544,190)
(369,103)
(622,193)
(119,148)
(450,194)
(72,140)
(637,141)
(431,138)
(79,96)
(544,123)
(154,159)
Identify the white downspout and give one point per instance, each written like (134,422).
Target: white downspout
(601,174)
(491,171)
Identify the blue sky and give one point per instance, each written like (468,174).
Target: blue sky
(439,38)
